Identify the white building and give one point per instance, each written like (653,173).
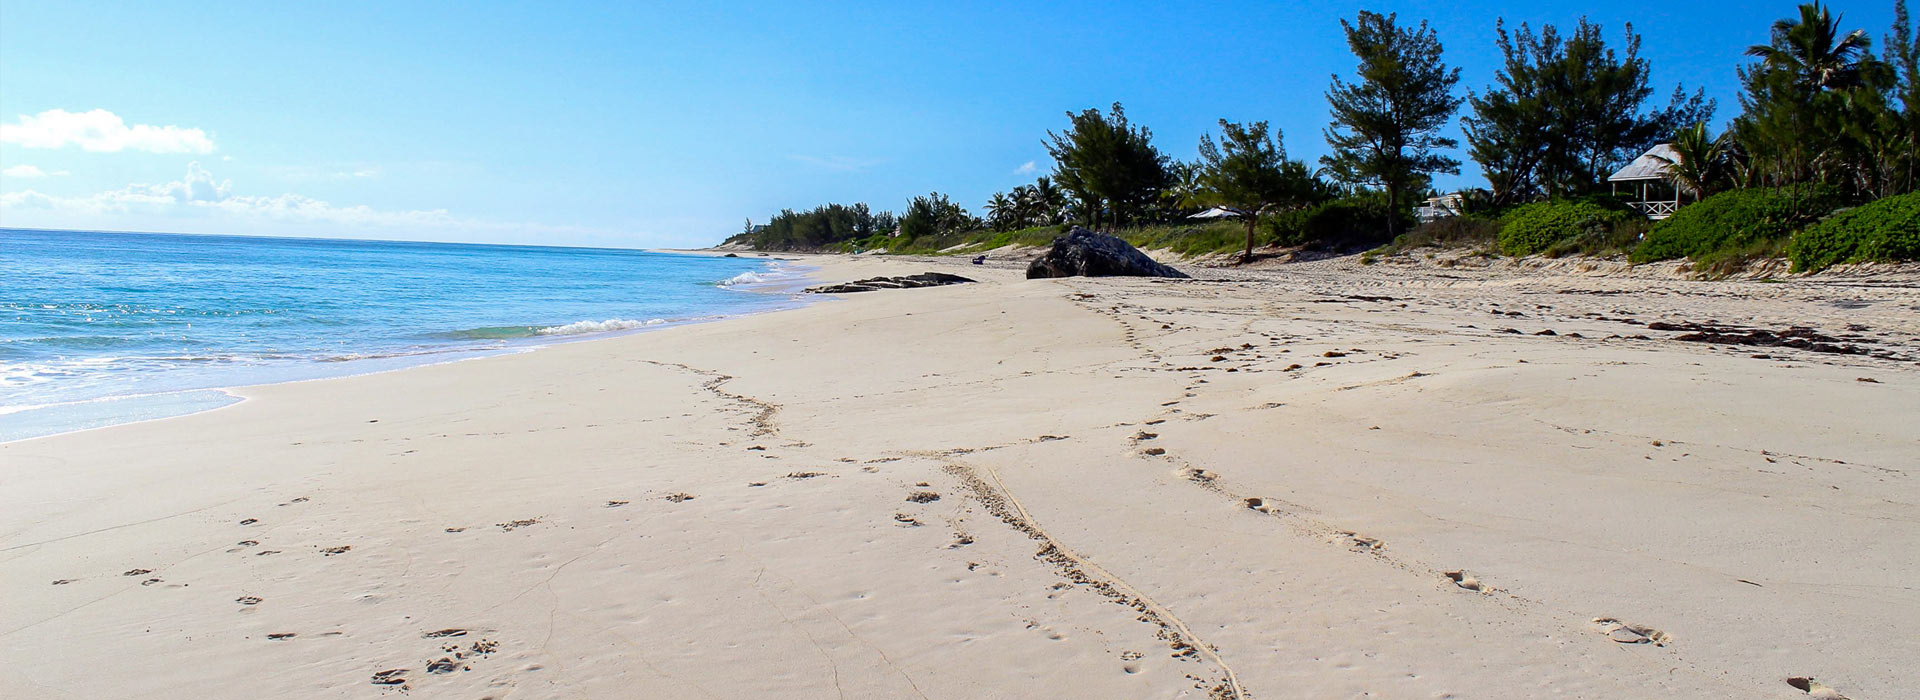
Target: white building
(1646,180)
(1439,207)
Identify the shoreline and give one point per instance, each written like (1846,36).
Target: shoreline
(1324,481)
(530,343)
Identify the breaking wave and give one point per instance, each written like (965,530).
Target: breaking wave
(612,324)
(746,278)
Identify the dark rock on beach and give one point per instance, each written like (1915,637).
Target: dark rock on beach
(924,279)
(1083,253)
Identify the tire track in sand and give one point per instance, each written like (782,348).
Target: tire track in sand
(1001,502)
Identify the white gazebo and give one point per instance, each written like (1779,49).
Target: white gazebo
(1646,177)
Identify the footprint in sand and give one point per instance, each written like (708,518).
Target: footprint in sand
(679,497)
(1461,579)
(1815,688)
(342,549)
(1630,634)
(923,497)
(248,600)
(392,676)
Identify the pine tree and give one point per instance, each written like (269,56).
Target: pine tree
(1386,126)
(1249,173)
(1108,164)
(1567,110)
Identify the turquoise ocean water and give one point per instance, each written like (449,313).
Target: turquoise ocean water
(104,328)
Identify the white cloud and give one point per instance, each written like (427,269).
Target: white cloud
(199,192)
(200,203)
(101,131)
(1026,168)
(26,171)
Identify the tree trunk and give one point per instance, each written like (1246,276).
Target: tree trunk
(1247,257)
(1393,212)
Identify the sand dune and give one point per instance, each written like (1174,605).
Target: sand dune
(1318,481)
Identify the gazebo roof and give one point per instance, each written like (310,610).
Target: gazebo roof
(1649,166)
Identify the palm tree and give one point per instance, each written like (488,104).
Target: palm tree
(1699,165)
(1024,208)
(1001,211)
(1046,203)
(1813,49)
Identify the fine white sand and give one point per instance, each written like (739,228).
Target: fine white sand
(1099,488)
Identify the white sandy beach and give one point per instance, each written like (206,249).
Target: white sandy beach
(1085,488)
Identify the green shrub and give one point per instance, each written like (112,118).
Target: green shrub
(1885,231)
(1034,236)
(1738,220)
(1536,227)
(1618,238)
(1724,262)
(1465,231)
(1337,224)
(1189,240)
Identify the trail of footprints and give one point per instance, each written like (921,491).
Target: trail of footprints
(1250,357)
(458,656)
(454,656)
(1609,627)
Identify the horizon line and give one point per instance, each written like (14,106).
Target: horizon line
(344,239)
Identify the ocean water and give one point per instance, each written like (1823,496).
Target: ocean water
(103,328)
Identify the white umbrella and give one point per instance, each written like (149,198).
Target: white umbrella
(1217,213)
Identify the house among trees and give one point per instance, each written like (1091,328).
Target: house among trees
(1440,207)
(1647,179)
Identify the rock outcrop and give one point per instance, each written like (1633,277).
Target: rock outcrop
(1083,253)
(924,279)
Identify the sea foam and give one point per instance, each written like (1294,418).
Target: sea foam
(612,324)
(745,278)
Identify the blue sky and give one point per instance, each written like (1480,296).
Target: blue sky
(666,124)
